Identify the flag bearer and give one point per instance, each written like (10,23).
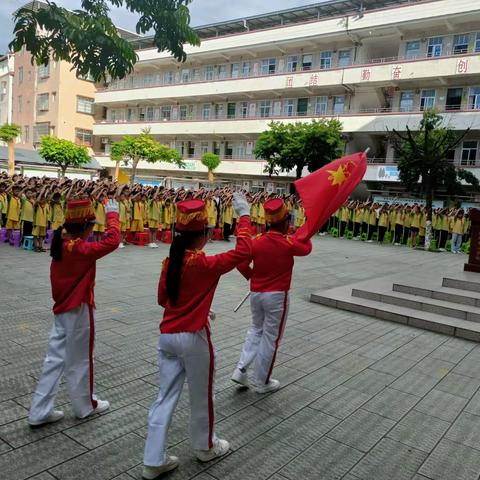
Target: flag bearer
(273,257)
(185,351)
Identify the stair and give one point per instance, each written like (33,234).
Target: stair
(452,307)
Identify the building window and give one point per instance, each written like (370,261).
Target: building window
(246,69)
(195,75)
(219,110)
(3,90)
(326,60)
(148,79)
(183,112)
(209,72)
(231,110)
(469,153)
(185,77)
(88,77)
(427,99)
(435,47)
(460,44)
(27,134)
(20,75)
(477,42)
(203,147)
(85,105)
(168,78)
(292,62)
(44,70)
(344,58)
(268,66)
(83,137)
(166,112)
(307,62)
(150,114)
(20,104)
(240,149)
(265,108)
(206,111)
(289,107)
(222,72)
(131,114)
(339,104)
(42,102)
(406,101)
(454,99)
(320,106)
(412,49)
(235,70)
(244,109)
(474,98)
(40,130)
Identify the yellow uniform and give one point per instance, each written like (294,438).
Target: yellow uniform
(383,219)
(261,214)
(13,213)
(58,217)
(227,216)
(300,220)
(27,211)
(122,215)
(100,217)
(138,221)
(212,213)
(458,225)
(154,214)
(40,220)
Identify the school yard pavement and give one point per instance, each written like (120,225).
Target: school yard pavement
(361,398)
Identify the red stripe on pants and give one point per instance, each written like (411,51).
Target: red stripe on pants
(279,336)
(211,413)
(90,354)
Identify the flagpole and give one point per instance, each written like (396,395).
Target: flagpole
(237,308)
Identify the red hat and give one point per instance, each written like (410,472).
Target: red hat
(275,211)
(79,211)
(191,215)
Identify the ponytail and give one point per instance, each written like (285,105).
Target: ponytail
(181,242)
(57,243)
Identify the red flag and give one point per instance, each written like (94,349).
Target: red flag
(324,191)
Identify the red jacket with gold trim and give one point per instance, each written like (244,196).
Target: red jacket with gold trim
(73,278)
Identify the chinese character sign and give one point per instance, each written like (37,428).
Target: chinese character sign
(462,66)
(289,82)
(396,72)
(313,80)
(365,74)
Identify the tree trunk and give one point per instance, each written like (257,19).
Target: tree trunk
(134,171)
(64,170)
(211,177)
(429,203)
(299,170)
(11,157)
(117,170)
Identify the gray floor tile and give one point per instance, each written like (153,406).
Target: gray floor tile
(323,380)
(466,430)
(414,383)
(326,459)
(389,460)
(441,405)
(419,430)
(391,403)
(459,385)
(369,381)
(452,460)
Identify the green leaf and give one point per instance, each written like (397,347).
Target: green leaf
(63,153)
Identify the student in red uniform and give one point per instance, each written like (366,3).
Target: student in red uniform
(185,351)
(270,278)
(70,346)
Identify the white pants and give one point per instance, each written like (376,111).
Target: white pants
(180,355)
(70,350)
(269,315)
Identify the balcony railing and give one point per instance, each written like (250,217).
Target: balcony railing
(329,113)
(139,81)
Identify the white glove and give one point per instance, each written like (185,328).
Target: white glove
(240,204)
(212,315)
(111,206)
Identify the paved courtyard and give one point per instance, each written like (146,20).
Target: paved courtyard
(361,398)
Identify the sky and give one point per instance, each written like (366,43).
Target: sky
(202,12)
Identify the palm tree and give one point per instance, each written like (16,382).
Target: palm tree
(8,133)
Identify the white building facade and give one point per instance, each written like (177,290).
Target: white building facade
(6,88)
(373,64)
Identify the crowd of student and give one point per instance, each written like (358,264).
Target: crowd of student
(36,205)
(400,224)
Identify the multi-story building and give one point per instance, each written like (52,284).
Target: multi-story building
(6,85)
(373,64)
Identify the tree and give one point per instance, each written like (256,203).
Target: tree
(88,39)
(423,162)
(8,133)
(133,149)
(63,153)
(294,146)
(211,161)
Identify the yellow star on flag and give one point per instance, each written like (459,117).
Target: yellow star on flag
(337,177)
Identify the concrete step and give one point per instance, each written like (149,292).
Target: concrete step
(447,294)
(467,281)
(341,298)
(440,307)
